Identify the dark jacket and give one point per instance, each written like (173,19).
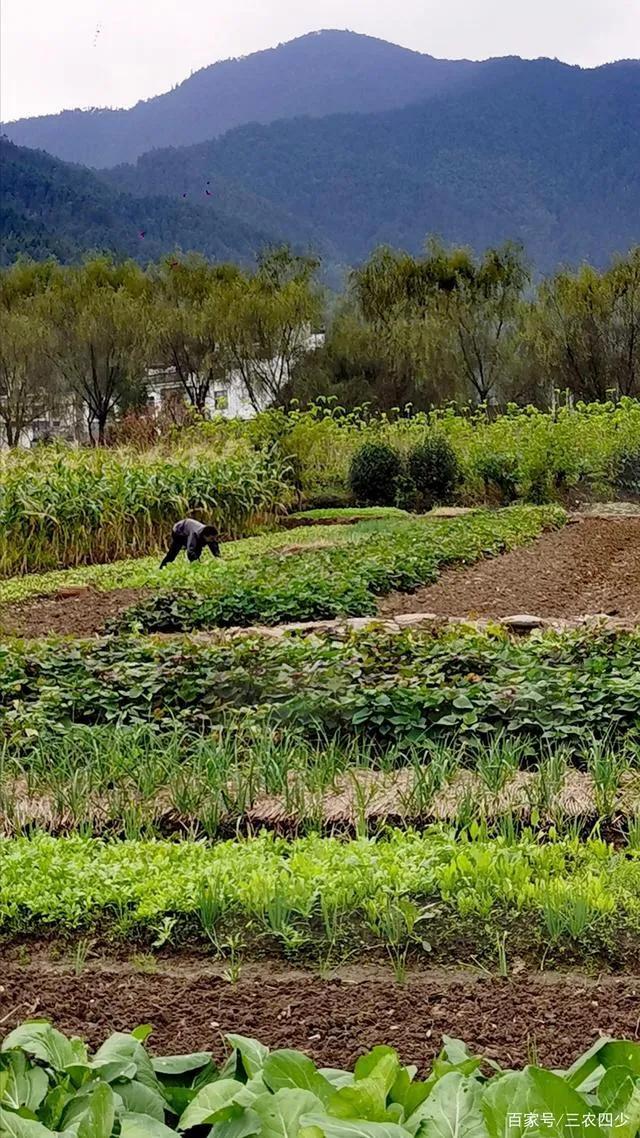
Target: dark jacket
(192,536)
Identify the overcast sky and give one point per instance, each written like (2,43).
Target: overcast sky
(54,56)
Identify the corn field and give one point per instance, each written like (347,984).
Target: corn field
(63,507)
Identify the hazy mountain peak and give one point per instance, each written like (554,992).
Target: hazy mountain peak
(316,74)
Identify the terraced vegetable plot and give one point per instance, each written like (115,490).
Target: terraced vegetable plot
(324,572)
(591,566)
(129,736)
(404,897)
(329,800)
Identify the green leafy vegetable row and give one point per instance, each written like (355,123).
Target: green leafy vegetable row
(139,781)
(388,687)
(50,1084)
(341,578)
(408,893)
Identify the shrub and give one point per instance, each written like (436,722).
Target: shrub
(406,492)
(499,473)
(374,473)
(434,468)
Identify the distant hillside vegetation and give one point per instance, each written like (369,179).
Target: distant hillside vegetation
(49,208)
(535,151)
(317,74)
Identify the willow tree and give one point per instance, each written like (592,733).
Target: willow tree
(25,279)
(26,390)
(446,316)
(585,329)
(99,316)
(188,334)
(473,310)
(268,319)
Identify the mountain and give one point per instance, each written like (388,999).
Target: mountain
(317,74)
(51,208)
(536,151)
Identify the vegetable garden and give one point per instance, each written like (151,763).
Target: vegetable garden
(122,1089)
(204,788)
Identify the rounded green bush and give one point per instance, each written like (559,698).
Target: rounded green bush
(374,473)
(434,468)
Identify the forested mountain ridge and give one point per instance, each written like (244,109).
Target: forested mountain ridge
(534,151)
(316,74)
(52,208)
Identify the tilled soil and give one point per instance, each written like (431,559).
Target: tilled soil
(84,614)
(553,1018)
(590,566)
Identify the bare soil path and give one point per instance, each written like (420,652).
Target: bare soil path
(84,612)
(590,566)
(554,1017)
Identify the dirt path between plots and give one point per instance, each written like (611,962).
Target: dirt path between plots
(81,612)
(191,1007)
(590,566)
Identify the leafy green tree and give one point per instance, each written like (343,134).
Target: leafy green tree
(26,389)
(356,365)
(584,329)
(189,323)
(447,316)
(472,312)
(26,278)
(392,293)
(99,316)
(269,316)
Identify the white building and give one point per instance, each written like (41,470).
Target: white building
(227,397)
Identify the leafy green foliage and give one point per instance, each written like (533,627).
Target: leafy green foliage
(373,474)
(627,472)
(281,1094)
(291,583)
(304,896)
(434,469)
(525,452)
(410,685)
(344,513)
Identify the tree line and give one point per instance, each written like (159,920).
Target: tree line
(447,325)
(453,326)
(90,333)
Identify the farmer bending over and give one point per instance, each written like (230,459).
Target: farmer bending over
(192,536)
